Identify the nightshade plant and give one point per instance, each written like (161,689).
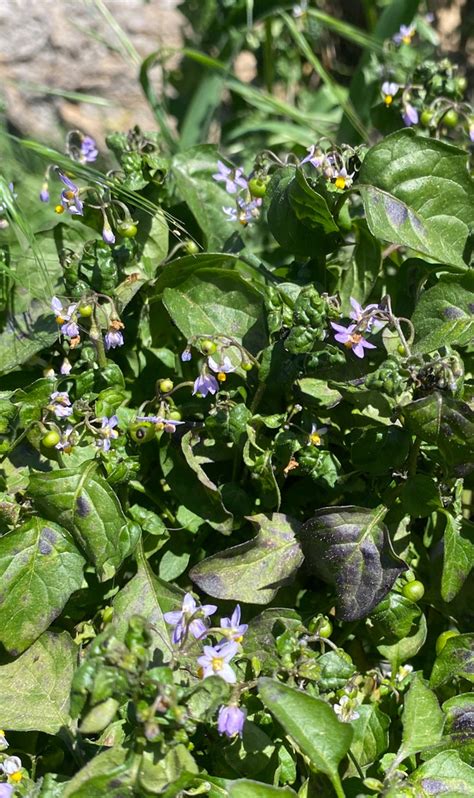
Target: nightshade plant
(237,431)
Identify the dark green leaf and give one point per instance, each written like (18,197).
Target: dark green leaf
(310,207)
(106,774)
(377,450)
(446,774)
(420,496)
(360,277)
(407,647)
(445,422)
(393,618)
(350,548)
(34,690)
(445,315)
(456,660)
(418,193)
(152,239)
(244,788)
(458,559)
(312,724)
(253,572)
(39,569)
(370,734)
(83,503)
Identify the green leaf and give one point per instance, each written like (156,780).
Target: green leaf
(312,724)
(446,774)
(407,647)
(195,462)
(310,207)
(218,302)
(445,315)
(350,548)
(458,555)
(152,239)
(203,501)
(370,734)
(422,718)
(445,422)
(177,271)
(25,335)
(149,596)
(35,688)
(251,754)
(456,660)
(299,237)
(39,569)
(82,502)
(108,773)
(376,450)
(360,277)
(245,788)
(393,618)
(252,572)
(420,496)
(418,193)
(192,171)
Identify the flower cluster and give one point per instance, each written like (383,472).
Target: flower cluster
(331,165)
(68,319)
(247,208)
(215,659)
(353,336)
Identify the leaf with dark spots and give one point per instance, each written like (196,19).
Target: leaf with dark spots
(445,314)
(38,579)
(455,660)
(83,502)
(253,572)
(350,548)
(82,506)
(445,422)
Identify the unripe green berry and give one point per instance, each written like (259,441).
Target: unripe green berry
(127,229)
(85,311)
(460,84)
(51,439)
(325,629)
(257,187)
(247,365)
(414,591)
(451,118)
(208,347)
(174,415)
(443,639)
(191,248)
(166,385)
(426,117)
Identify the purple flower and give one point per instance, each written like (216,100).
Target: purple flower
(3,205)
(66,443)
(44,193)
(166,424)
(184,621)
(246,211)
(215,661)
(70,196)
(204,384)
(341,178)
(232,178)
(186,356)
(60,404)
(65,367)
(405,35)
(230,721)
(471,130)
(107,432)
(351,339)
(389,91)
(231,213)
(6,790)
(107,232)
(315,157)
(89,151)
(64,317)
(11,765)
(113,338)
(410,115)
(234,629)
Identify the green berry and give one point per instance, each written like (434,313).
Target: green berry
(426,117)
(451,118)
(443,639)
(247,365)
(174,415)
(460,84)
(142,431)
(208,347)
(127,229)
(166,385)
(85,311)
(191,247)
(325,630)
(257,187)
(51,439)
(413,591)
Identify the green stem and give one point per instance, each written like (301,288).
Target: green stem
(355,762)
(336,783)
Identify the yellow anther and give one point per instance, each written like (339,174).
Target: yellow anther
(159,425)
(69,195)
(340,182)
(407,39)
(60,320)
(221,376)
(15,777)
(217,664)
(315,439)
(388,99)
(59,209)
